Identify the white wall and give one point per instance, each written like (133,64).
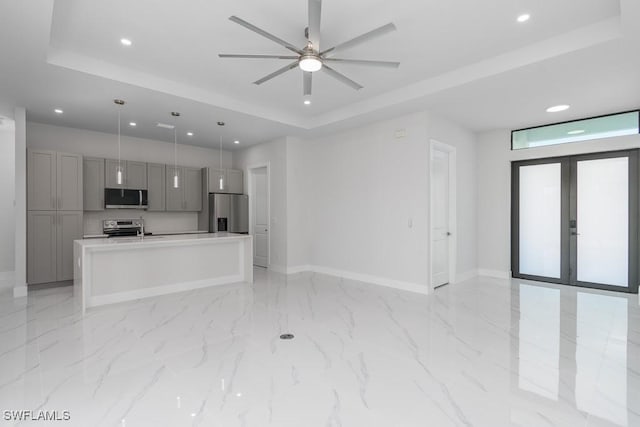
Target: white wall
(98,144)
(274,154)
(20,252)
(350,197)
(494,190)
(7,198)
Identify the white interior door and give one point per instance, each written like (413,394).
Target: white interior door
(260,216)
(440,227)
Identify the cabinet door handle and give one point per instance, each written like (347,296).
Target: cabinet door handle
(53,203)
(59,203)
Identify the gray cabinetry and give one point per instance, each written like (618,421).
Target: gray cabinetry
(188,196)
(156,185)
(42,246)
(232,182)
(134,174)
(55,195)
(54,181)
(192,189)
(235,182)
(111,173)
(69,227)
(93,183)
(50,236)
(69,182)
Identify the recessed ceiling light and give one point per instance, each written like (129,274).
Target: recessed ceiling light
(575,132)
(58,111)
(236,142)
(126,42)
(134,124)
(557,108)
(189,133)
(307,102)
(524,17)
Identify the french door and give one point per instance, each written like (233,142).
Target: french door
(574,220)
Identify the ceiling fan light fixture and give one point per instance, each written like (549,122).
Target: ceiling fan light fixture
(310,63)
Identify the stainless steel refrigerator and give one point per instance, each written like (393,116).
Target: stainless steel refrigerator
(228,212)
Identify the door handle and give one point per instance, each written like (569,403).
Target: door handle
(575,233)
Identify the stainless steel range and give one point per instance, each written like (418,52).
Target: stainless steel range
(123,227)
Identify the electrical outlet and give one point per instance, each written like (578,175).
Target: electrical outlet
(401,133)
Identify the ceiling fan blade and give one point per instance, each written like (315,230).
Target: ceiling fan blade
(315,11)
(277,73)
(229,55)
(263,33)
(362,38)
(387,64)
(306,82)
(344,79)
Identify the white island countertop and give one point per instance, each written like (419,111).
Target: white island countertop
(118,269)
(157,239)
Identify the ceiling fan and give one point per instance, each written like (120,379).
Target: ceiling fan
(310,58)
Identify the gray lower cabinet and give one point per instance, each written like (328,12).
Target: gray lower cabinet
(93,183)
(50,236)
(42,247)
(69,227)
(156,185)
(134,174)
(188,196)
(54,181)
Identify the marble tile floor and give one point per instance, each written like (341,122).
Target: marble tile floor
(486,352)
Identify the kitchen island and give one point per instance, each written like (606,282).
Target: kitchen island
(113,270)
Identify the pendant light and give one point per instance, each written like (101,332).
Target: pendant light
(176,179)
(119,178)
(221,177)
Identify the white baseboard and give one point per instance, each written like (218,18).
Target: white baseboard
(277,268)
(160,290)
(463,277)
(20,291)
(375,280)
(498,274)
(298,269)
(7,275)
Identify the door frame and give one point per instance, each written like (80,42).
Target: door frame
(434,146)
(250,170)
(568,203)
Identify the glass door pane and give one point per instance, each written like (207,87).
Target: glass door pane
(540,188)
(602,200)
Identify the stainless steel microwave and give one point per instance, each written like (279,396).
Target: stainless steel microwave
(120,198)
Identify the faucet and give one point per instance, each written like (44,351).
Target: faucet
(141,229)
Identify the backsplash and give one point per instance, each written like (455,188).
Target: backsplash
(155,222)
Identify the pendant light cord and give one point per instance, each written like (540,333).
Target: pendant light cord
(119,157)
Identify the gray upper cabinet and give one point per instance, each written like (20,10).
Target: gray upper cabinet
(54,181)
(93,182)
(69,182)
(156,185)
(192,189)
(111,173)
(214,180)
(41,180)
(136,175)
(42,247)
(188,196)
(235,182)
(174,196)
